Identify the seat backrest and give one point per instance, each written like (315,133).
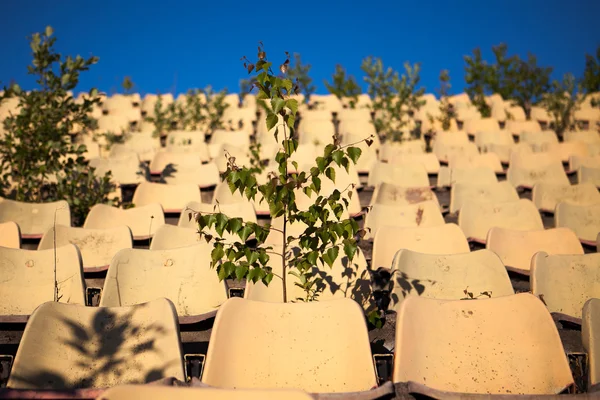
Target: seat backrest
(392,195)
(10,235)
(546,196)
(443,239)
(583,220)
(172,198)
(490,192)
(322,333)
(477,218)
(98,347)
(565,282)
(516,248)
(408,175)
(143,221)
(35,219)
(97,246)
(447,276)
(422,214)
(183,275)
(590,335)
(27,278)
(484,346)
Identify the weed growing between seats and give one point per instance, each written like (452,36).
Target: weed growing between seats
(325,233)
(39,162)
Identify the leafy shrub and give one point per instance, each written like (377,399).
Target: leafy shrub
(326,232)
(344,87)
(38,160)
(395,98)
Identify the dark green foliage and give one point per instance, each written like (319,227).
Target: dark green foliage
(344,87)
(298,73)
(326,232)
(39,162)
(395,97)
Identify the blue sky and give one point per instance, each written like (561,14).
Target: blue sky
(173,46)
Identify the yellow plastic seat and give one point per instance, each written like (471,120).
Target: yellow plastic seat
(485,160)
(328,336)
(422,214)
(565,282)
(516,248)
(172,198)
(474,175)
(489,192)
(97,246)
(71,346)
(583,220)
(34,219)
(408,175)
(518,127)
(172,237)
(590,335)
(503,345)
(447,276)
(477,218)
(590,175)
(10,235)
(27,279)
(546,196)
(552,173)
(143,221)
(474,126)
(182,275)
(392,195)
(155,392)
(173,160)
(443,239)
(428,160)
(205,175)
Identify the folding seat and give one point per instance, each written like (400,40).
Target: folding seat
(576,161)
(473,175)
(442,239)
(500,345)
(393,195)
(318,132)
(183,275)
(539,140)
(407,175)
(187,142)
(28,280)
(168,160)
(428,160)
(242,209)
(340,370)
(97,246)
(517,127)
(486,160)
(445,151)
(447,276)
(173,237)
(125,169)
(155,392)
(143,221)
(422,214)
(477,218)
(516,248)
(389,150)
(34,219)
(590,175)
(489,192)
(590,335)
(475,126)
(565,282)
(546,196)
(234,138)
(583,220)
(10,235)
(172,198)
(204,175)
(97,347)
(528,177)
(588,137)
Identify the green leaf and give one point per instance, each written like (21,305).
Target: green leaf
(271,121)
(277,104)
(354,153)
(330,256)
